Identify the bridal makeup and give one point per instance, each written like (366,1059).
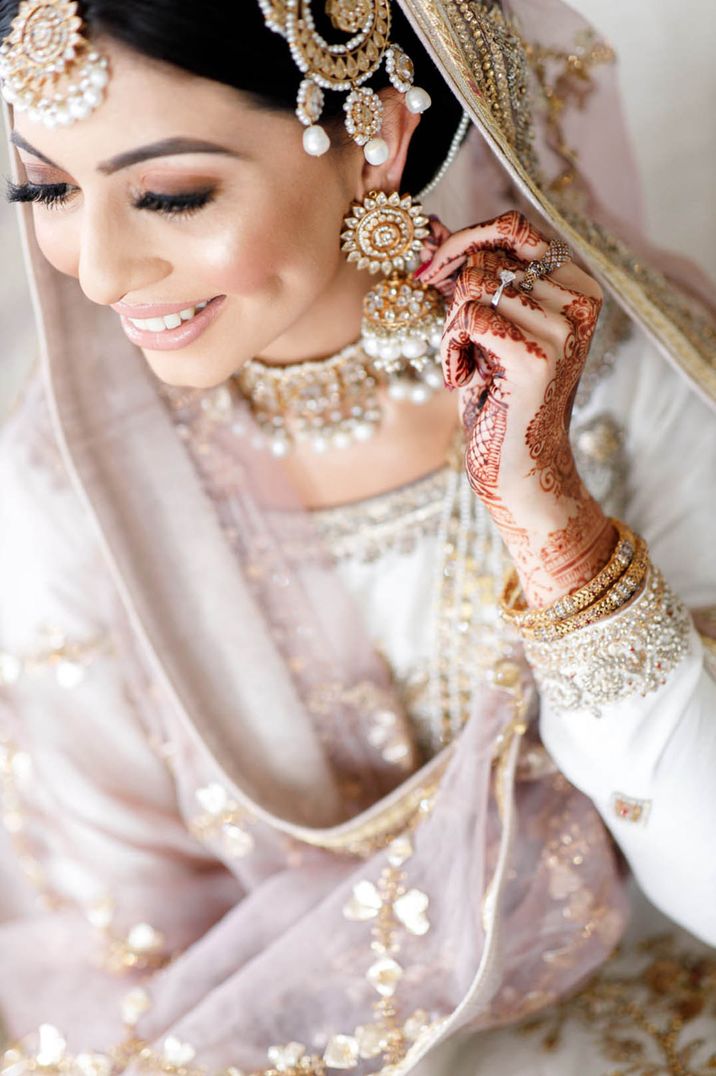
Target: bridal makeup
(195,215)
(167,327)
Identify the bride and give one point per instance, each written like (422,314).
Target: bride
(357,576)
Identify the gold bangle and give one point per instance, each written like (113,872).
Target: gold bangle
(618,595)
(516,611)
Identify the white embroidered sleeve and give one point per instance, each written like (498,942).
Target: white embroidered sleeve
(629,706)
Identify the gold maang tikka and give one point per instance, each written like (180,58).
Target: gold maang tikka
(345,66)
(403,319)
(48,67)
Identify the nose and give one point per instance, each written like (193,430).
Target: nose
(113,258)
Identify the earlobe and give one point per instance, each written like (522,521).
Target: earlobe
(399,125)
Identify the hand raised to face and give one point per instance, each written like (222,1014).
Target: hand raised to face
(517,367)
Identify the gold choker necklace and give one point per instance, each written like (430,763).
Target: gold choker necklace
(329,403)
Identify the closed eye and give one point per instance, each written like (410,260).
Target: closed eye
(55,195)
(49,194)
(175,205)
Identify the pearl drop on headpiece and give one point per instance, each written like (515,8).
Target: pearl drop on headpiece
(315,141)
(376,151)
(417,100)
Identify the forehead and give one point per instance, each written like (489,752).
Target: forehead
(146,101)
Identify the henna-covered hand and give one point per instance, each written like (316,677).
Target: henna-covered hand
(518,368)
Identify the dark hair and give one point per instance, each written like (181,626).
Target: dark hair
(228,41)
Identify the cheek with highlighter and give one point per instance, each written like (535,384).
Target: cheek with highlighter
(59,244)
(240,263)
(267,257)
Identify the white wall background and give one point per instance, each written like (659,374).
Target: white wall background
(668,78)
(666,51)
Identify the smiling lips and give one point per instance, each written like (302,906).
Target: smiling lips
(168,326)
(168,321)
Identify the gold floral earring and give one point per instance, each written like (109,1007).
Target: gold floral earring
(403,319)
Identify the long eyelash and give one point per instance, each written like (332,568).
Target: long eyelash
(56,194)
(175,205)
(49,194)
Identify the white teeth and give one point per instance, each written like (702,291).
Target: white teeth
(169,321)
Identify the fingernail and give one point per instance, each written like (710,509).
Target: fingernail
(423,267)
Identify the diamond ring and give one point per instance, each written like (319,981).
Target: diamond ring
(506,277)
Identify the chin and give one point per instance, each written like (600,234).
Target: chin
(186,372)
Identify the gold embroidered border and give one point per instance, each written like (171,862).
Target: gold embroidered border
(452,31)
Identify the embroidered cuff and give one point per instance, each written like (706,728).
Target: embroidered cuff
(630,653)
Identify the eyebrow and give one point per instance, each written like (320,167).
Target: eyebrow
(168,147)
(19,141)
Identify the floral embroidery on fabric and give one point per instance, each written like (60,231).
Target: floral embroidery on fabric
(222,819)
(388,902)
(141,948)
(657,1019)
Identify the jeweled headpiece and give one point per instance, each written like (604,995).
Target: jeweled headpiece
(48,67)
(345,66)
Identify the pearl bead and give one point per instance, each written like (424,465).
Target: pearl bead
(434,378)
(436,337)
(414,347)
(397,390)
(420,394)
(363,431)
(99,77)
(315,141)
(390,349)
(279,447)
(319,444)
(371,346)
(341,439)
(417,100)
(376,151)
(79,108)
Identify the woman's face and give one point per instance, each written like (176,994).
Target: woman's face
(237,214)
